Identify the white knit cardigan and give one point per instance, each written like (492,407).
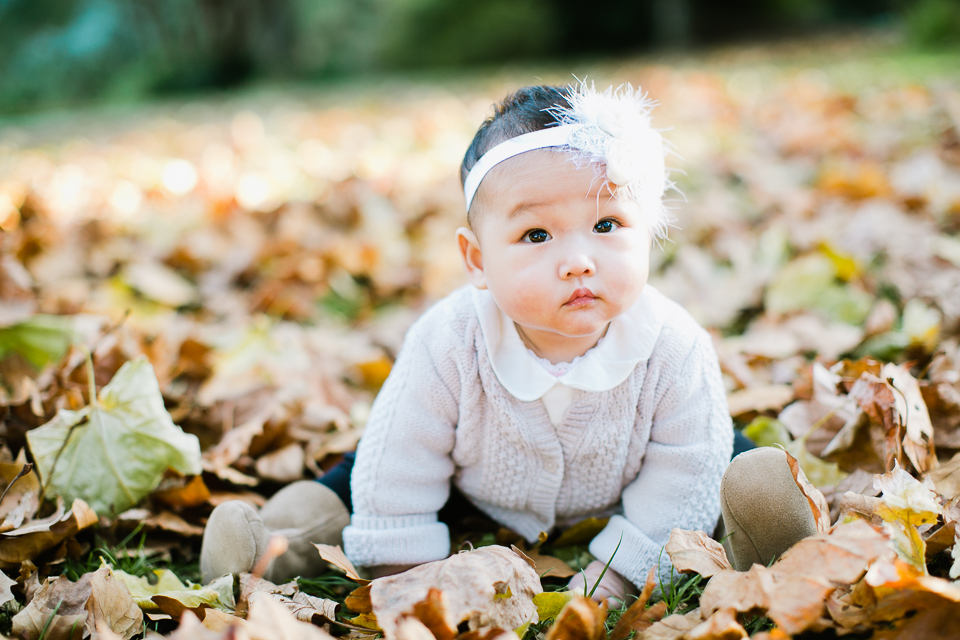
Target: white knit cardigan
(650,450)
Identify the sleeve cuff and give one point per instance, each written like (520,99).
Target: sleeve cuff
(637,552)
(371,541)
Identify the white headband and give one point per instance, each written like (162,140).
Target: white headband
(611,129)
(542,139)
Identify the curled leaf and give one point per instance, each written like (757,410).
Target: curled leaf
(697,552)
(816,500)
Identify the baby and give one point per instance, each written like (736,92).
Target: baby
(556,386)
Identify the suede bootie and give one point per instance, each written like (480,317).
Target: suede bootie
(764,511)
(305,512)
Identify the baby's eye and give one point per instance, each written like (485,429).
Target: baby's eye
(536,236)
(605,226)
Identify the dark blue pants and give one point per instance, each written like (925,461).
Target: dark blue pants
(338,478)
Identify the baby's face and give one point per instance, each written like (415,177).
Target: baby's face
(559,254)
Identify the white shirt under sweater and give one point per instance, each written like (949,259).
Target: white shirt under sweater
(646,435)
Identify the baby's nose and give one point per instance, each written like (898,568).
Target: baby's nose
(576,265)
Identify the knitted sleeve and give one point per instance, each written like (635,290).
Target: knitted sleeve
(401,477)
(678,485)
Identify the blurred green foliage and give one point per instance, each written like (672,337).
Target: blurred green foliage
(933,23)
(62,52)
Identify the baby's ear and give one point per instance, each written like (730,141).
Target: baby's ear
(472,257)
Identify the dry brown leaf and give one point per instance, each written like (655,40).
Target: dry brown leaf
(940,539)
(19,490)
(270,620)
(410,628)
(946,478)
(76,608)
(187,492)
(433,613)
(335,556)
(912,412)
(33,538)
(697,552)
(672,627)
(877,400)
(637,617)
(818,503)
(743,591)
(192,629)
(255,500)
(163,520)
(489,587)
(303,607)
(940,622)
(6,594)
(216,620)
(580,619)
(722,625)
(792,591)
(284,465)
(764,398)
(549,566)
(840,555)
(358,600)
(854,505)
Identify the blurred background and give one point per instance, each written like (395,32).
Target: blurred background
(259,197)
(57,52)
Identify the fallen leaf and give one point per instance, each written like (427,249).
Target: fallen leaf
(433,613)
(192,629)
(73,609)
(759,399)
(550,603)
(170,596)
(818,504)
(912,412)
(190,492)
(6,595)
(695,551)
(855,505)
(549,566)
(127,426)
(303,607)
(792,592)
(284,465)
(946,478)
(673,627)
(637,617)
(335,556)
(41,340)
(581,619)
(33,538)
(905,505)
(270,620)
(160,283)
(722,625)
(471,582)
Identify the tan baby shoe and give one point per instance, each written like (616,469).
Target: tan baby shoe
(764,512)
(305,512)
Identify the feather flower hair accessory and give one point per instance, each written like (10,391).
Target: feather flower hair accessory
(610,129)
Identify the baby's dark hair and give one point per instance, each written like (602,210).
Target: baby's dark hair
(523,111)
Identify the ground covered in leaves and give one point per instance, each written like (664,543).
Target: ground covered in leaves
(201,298)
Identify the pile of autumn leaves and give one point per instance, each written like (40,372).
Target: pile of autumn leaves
(201,262)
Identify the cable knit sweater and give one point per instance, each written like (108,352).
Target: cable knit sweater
(646,436)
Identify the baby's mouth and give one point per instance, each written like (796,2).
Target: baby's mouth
(581,297)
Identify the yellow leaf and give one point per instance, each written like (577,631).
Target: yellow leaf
(365,620)
(551,603)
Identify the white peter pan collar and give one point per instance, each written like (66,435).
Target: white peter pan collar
(629,340)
